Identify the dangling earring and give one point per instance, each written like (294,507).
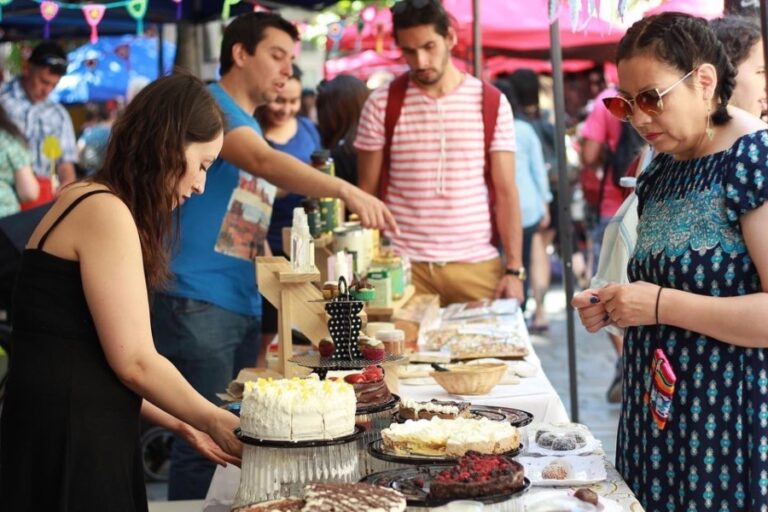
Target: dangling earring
(709,130)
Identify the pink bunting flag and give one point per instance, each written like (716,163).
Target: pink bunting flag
(94,13)
(48,10)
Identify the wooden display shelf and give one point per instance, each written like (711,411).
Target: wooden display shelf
(386,313)
(298,303)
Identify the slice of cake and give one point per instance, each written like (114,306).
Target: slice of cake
(297,409)
(450,438)
(446,409)
(370,388)
(340,497)
(476,475)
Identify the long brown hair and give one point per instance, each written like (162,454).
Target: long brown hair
(339,103)
(145,158)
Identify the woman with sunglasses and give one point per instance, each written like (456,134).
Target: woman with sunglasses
(692,433)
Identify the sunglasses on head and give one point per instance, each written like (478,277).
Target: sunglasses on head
(55,63)
(649,102)
(402,5)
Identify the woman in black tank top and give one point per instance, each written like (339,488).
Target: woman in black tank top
(83,363)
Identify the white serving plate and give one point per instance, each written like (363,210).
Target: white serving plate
(585,470)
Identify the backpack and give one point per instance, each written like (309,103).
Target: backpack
(616,164)
(395,99)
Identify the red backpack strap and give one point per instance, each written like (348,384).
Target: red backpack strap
(491,102)
(395,99)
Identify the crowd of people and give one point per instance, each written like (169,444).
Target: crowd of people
(460,174)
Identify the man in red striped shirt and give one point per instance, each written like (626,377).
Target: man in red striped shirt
(436,186)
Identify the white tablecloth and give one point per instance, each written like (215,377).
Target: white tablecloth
(533,394)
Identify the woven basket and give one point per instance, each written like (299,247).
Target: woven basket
(471,379)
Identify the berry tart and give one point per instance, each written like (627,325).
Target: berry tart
(476,475)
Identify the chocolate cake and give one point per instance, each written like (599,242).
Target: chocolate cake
(445,409)
(340,497)
(586,495)
(477,475)
(369,387)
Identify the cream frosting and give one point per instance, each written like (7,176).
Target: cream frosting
(297,409)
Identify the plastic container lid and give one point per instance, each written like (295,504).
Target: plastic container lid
(390,335)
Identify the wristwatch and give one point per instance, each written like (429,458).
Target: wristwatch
(517,272)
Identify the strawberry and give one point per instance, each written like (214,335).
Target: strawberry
(326,348)
(354,378)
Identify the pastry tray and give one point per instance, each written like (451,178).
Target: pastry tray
(516,417)
(373,409)
(403,480)
(376,449)
(271,443)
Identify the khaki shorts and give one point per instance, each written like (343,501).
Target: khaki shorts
(457,282)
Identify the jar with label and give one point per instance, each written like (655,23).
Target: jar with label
(394,265)
(322,161)
(393,340)
(312,209)
(379,279)
(350,238)
(328,214)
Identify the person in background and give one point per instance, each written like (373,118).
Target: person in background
(17,181)
(92,143)
(308,104)
(691,425)
(525,84)
(44,122)
(531,177)
(743,42)
(210,315)
(82,343)
(436,183)
(287,131)
(339,104)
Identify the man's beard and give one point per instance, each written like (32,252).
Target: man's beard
(438,75)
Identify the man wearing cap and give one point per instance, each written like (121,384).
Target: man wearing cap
(45,123)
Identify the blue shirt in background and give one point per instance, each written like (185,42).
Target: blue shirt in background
(302,145)
(199,271)
(531,174)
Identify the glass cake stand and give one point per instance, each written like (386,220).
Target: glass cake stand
(277,469)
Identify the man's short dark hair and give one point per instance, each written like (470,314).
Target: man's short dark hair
(414,13)
(50,55)
(525,83)
(248,30)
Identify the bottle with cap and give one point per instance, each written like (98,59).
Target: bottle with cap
(302,243)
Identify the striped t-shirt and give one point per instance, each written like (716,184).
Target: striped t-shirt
(437,190)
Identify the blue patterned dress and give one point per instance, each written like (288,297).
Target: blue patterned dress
(713,453)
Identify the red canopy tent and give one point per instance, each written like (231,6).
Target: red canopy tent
(508,26)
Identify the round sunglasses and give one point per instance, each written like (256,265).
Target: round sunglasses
(649,101)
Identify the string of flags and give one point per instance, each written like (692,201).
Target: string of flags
(94,12)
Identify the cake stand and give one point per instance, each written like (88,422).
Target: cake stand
(276,469)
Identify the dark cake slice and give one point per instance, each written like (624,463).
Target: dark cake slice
(370,388)
(477,475)
(340,497)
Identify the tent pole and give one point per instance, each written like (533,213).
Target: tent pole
(564,210)
(477,39)
(160,52)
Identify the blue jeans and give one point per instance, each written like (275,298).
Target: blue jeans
(208,345)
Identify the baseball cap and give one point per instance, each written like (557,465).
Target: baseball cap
(51,55)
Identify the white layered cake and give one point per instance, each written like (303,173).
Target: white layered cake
(297,409)
(451,438)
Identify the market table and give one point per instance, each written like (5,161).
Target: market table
(533,394)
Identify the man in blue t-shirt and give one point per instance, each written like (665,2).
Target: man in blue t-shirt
(212,310)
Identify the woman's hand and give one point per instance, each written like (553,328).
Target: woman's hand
(591,310)
(630,304)
(206,446)
(221,430)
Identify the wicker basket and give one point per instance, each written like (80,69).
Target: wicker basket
(471,379)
